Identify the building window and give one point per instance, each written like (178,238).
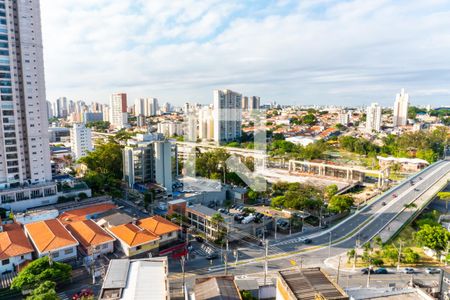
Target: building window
(68,251)
(5,262)
(55,254)
(104,246)
(138,248)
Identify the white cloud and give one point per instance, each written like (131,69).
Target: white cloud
(317,51)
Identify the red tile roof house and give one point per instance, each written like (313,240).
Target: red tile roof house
(166,230)
(93,239)
(15,248)
(51,238)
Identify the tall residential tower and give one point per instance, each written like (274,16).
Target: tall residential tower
(401,109)
(24,144)
(227,116)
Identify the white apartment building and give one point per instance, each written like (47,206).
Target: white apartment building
(81,140)
(254,102)
(170,128)
(163,164)
(106,113)
(146,107)
(344,118)
(24,150)
(118,110)
(227,116)
(401,104)
(148,159)
(206,123)
(373,118)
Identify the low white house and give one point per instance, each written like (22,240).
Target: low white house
(15,248)
(51,238)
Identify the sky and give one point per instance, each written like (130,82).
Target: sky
(293,52)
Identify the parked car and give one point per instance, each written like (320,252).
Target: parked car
(408,270)
(248,219)
(212,256)
(381,271)
(307,241)
(433,271)
(394,195)
(324,226)
(367,270)
(199,239)
(383,203)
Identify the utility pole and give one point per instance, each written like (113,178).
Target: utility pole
(276,225)
(329,246)
(236,254)
(399,256)
(338,270)
(355,255)
(225,258)
(265,261)
(183,261)
(369,269)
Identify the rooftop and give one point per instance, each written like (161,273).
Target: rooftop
(13,241)
(85,212)
(113,217)
(158,225)
(50,235)
(218,288)
(88,233)
(129,279)
(202,210)
(308,284)
(132,235)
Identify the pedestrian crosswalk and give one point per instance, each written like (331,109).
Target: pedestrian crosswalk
(289,242)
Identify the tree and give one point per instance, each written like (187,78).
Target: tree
(39,271)
(217,219)
(45,291)
(252,195)
(331,190)
(444,196)
(277,201)
(433,237)
(246,295)
(390,253)
(340,203)
(351,254)
(409,256)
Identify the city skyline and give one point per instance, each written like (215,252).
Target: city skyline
(239,47)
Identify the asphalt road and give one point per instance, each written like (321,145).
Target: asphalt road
(375,214)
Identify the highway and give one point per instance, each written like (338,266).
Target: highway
(359,228)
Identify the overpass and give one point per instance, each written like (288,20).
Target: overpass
(351,174)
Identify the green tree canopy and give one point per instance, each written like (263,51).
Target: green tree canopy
(331,190)
(45,291)
(340,203)
(39,271)
(433,237)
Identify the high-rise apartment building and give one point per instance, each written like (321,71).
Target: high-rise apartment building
(254,102)
(344,118)
(227,116)
(62,107)
(401,104)
(206,123)
(148,159)
(118,110)
(81,140)
(146,107)
(24,145)
(245,103)
(373,118)
(49,110)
